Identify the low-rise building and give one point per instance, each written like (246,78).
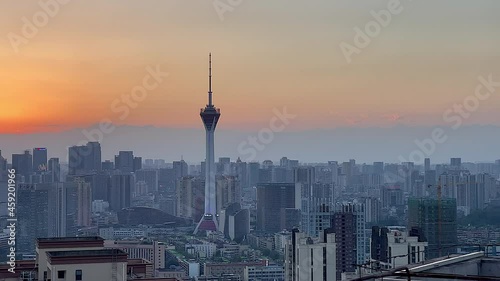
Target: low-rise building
(201,249)
(191,268)
(230,269)
(264,273)
(152,251)
(393,247)
(77,259)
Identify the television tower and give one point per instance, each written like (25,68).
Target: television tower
(210,116)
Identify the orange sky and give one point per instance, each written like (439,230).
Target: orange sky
(266,55)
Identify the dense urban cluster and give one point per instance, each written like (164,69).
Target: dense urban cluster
(282,220)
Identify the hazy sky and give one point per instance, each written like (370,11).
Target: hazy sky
(267,54)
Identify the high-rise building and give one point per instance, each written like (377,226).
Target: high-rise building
(228,190)
(378,168)
(54,169)
(124,161)
(3,162)
(150,177)
(305,175)
(108,165)
(84,159)
(316,205)
(273,199)
(430,178)
(455,163)
(210,116)
(373,209)
(345,238)
(100,185)
(224,166)
(52,210)
(279,174)
(241,173)
(84,204)
(39,159)
(438,222)
(180,169)
(308,258)
(137,163)
(23,164)
(190,197)
(349,227)
(265,175)
(253,174)
(408,169)
(427,164)
(166,179)
(120,191)
(31,224)
(93,161)
(63,212)
(235,222)
(391,196)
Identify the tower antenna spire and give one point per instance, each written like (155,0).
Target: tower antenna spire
(210,79)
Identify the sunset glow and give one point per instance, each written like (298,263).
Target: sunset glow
(265,57)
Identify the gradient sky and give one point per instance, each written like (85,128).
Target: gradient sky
(267,54)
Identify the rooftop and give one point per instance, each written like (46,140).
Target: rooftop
(70,242)
(87,253)
(70,239)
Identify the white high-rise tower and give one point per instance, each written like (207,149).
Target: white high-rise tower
(210,116)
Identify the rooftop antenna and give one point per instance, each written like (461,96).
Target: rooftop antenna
(210,80)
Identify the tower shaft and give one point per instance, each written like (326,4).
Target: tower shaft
(210,116)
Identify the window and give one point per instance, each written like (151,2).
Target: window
(78,275)
(61,274)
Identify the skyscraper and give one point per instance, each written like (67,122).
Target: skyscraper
(190,195)
(54,169)
(316,207)
(228,191)
(23,164)
(3,163)
(84,204)
(274,200)
(150,177)
(39,159)
(455,163)
(124,161)
(427,164)
(180,169)
(84,159)
(120,191)
(31,224)
(210,116)
(137,163)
